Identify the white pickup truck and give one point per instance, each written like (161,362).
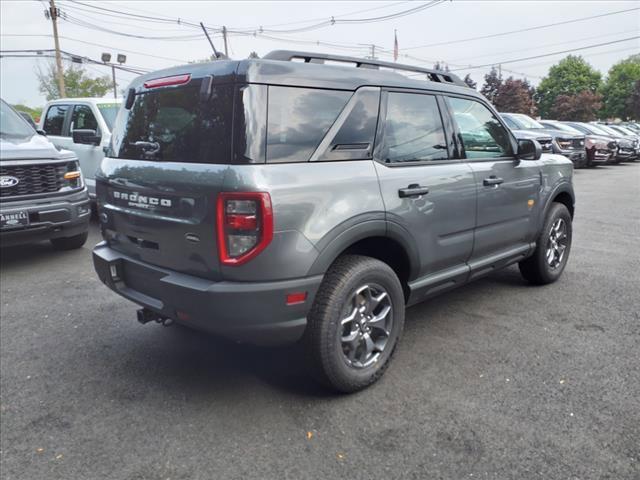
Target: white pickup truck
(92,118)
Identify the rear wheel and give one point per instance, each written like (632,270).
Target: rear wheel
(70,243)
(552,248)
(355,323)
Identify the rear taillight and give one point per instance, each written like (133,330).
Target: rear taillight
(245,225)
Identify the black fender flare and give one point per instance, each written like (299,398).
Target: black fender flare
(562,187)
(345,235)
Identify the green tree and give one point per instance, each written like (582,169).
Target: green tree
(634,101)
(34,112)
(492,83)
(571,76)
(515,96)
(618,89)
(469,81)
(77,83)
(253,55)
(582,107)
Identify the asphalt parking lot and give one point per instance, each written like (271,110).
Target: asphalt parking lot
(495,380)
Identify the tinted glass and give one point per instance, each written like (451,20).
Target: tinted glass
(354,139)
(12,125)
(251,124)
(172,124)
(298,119)
(109,112)
(483,136)
(83,118)
(413,129)
(54,121)
(583,129)
(526,121)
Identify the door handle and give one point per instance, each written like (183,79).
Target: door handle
(413,190)
(492,181)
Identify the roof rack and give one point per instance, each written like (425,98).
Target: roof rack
(309,57)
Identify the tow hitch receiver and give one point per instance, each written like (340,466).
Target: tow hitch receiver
(145,316)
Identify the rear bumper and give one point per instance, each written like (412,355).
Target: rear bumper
(245,311)
(48,218)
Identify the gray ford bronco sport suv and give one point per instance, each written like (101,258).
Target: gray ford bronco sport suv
(286,198)
(42,192)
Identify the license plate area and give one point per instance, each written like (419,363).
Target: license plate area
(14,219)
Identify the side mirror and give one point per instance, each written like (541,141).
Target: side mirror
(86,137)
(529,149)
(39,131)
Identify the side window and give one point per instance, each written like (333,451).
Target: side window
(413,129)
(54,121)
(483,136)
(352,137)
(298,119)
(83,118)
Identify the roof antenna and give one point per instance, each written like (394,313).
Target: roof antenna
(215,52)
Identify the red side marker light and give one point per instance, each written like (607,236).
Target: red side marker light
(296,298)
(168,81)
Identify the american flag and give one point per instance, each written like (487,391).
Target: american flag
(395,46)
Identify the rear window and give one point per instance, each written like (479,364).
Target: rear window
(298,119)
(173,124)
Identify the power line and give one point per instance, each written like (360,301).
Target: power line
(472,67)
(94,44)
(493,35)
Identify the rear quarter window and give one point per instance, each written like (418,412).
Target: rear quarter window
(298,119)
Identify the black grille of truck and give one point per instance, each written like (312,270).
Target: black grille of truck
(33,179)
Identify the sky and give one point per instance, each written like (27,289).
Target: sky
(439,32)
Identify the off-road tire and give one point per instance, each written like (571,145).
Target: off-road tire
(322,339)
(536,268)
(70,243)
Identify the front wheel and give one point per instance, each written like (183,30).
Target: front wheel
(355,323)
(552,248)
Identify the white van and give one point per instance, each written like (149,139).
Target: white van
(94,117)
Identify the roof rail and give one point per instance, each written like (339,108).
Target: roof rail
(309,57)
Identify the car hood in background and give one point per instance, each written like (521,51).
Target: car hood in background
(533,134)
(30,148)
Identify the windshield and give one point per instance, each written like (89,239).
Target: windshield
(623,130)
(594,129)
(608,131)
(565,128)
(12,124)
(526,122)
(109,112)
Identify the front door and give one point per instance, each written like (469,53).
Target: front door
(428,194)
(508,189)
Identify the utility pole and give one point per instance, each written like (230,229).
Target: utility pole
(53,12)
(373,51)
(115,85)
(224,35)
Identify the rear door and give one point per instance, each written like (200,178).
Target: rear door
(508,189)
(429,194)
(157,188)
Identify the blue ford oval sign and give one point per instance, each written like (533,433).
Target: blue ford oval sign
(7,181)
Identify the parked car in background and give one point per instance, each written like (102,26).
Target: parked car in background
(27,116)
(627,146)
(624,131)
(632,126)
(42,193)
(570,145)
(600,149)
(82,125)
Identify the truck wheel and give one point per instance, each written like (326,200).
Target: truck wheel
(70,243)
(355,323)
(553,246)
